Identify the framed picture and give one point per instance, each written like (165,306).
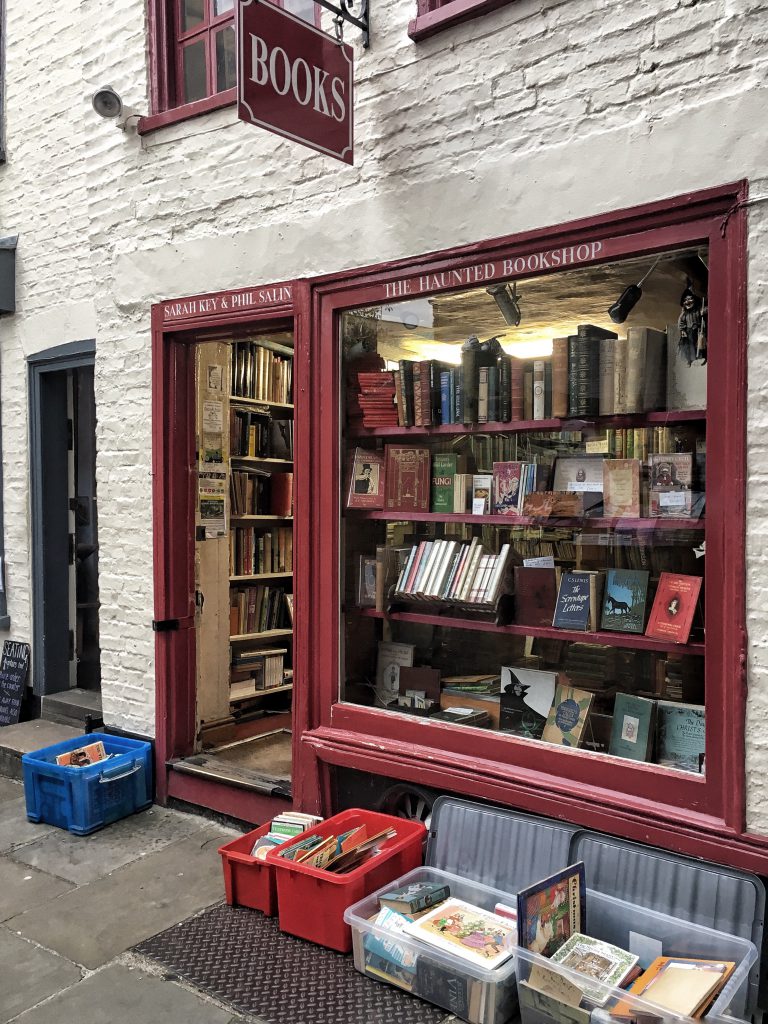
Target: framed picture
(366,582)
(366,483)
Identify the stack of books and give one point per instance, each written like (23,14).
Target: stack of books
(447,570)
(377,399)
(255,671)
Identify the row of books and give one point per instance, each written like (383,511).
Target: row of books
(262,370)
(255,434)
(283,827)
(253,550)
(445,570)
(253,672)
(255,492)
(259,609)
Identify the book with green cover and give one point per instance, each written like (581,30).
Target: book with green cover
(624,601)
(568,716)
(445,466)
(680,734)
(633,727)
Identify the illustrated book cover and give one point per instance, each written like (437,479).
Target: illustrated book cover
(407,478)
(482,490)
(600,961)
(526,698)
(624,601)
(568,716)
(446,467)
(680,732)
(683,985)
(391,657)
(91,753)
(550,911)
(621,488)
(506,488)
(468,932)
(573,602)
(366,480)
(670,481)
(673,607)
(632,730)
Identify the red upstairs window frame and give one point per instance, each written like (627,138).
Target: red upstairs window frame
(435,15)
(167,42)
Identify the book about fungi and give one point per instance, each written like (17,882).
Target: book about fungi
(674,607)
(549,912)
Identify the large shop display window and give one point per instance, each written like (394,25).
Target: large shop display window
(523,506)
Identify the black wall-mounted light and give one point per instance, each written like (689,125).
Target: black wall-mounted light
(629,298)
(507,301)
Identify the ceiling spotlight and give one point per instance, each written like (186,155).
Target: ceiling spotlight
(629,298)
(507,301)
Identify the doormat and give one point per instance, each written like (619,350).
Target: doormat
(243,959)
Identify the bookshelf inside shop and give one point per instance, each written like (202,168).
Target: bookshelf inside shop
(523,508)
(245,529)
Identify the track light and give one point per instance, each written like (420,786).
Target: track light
(629,298)
(507,301)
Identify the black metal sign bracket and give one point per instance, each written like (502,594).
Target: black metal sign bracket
(345,12)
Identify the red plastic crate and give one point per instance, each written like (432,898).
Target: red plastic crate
(249,882)
(312,901)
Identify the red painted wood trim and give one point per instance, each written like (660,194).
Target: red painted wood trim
(617,523)
(174,115)
(243,804)
(456,12)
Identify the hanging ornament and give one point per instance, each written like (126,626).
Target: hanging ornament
(693,326)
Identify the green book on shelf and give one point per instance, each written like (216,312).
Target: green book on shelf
(445,466)
(633,727)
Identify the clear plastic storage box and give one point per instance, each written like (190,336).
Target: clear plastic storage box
(647,934)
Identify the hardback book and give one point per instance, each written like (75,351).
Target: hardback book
(686,382)
(573,602)
(567,717)
(600,961)
(680,730)
(581,475)
(445,467)
(407,478)
(607,371)
(682,985)
(621,488)
(482,394)
(463,716)
(646,380)
(387,970)
(462,492)
(469,378)
(560,378)
(626,591)
(504,364)
(458,993)
(584,369)
(391,656)
(366,480)
(550,911)
(477,936)
(538,390)
(632,731)
(673,607)
(517,387)
(482,489)
(506,488)
(670,480)
(455,704)
(553,503)
(528,390)
(535,595)
(620,358)
(281,494)
(526,699)
(415,897)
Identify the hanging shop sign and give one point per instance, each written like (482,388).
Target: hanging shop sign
(294,80)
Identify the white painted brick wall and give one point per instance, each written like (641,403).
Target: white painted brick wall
(536,114)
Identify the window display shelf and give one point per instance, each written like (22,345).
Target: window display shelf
(617,523)
(609,639)
(269,634)
(261,576)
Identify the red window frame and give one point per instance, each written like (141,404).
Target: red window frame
(166,44)
(435,15)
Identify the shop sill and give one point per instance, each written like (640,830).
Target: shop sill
(186,111)
(455,12)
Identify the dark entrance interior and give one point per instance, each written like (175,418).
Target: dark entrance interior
(66,664)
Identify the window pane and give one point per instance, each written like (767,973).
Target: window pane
(222,6)
(195,86)
(304,9)
(192,14)
(226,59)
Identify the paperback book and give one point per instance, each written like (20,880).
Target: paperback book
(680,735)
(624,602)
(673,607)
(632,729)
(568,716)
(599,961)
(468,932)
(552,910)
(526,699)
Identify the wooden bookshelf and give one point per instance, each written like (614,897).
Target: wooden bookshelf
(260,519)
(269,634)
(258,577)
(259,461)
(258,694)
(618,523)
(249,403)
(609,639)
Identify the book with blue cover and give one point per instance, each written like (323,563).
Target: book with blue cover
(572,608)
(624,601)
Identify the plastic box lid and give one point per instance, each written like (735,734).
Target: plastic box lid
(503,849)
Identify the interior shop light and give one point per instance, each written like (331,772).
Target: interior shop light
(629,298)
(507,300)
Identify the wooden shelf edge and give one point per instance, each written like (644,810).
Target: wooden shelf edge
(242,400)
(262,519)
(261,693)
(261,461)
(261,576)
(614,523)
(609,639)
(270,634)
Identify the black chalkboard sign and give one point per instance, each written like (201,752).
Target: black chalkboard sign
(14,667)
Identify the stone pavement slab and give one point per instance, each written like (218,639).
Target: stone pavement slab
(22,888)
(30,974)
(15,830)
(10,790)
(92,924)
(83,859)
(124,995)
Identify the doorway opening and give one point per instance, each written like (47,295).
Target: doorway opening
(65,539)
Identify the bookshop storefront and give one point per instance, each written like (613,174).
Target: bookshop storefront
(525,571)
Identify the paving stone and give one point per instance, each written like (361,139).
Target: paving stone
(30,974)
(10,790)
(83,859)
(124,995)
(134,902)
(15,829)
(23,888)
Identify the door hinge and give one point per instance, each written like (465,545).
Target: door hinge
(165,625)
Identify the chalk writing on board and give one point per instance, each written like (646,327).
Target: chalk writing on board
(14,667)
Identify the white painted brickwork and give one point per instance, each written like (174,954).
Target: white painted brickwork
(540,113)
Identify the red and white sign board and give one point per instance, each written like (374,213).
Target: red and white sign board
(294,80)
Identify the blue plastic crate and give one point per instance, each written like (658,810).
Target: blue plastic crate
(85,799)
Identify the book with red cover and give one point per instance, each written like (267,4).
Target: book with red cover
(281,494)
(535,595)
(674,607)
(408,478)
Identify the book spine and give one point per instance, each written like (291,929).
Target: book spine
(635,374)
(547,389)
(445,397)
(405,370)
(538,390)
(451,396)
(560,378)
(399,403)
(505,388)
(469,383)
(458,395)
(418,409)
(528,393)
(493,394)
(434,392)
(517,373)
(482,395)
(607,374)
